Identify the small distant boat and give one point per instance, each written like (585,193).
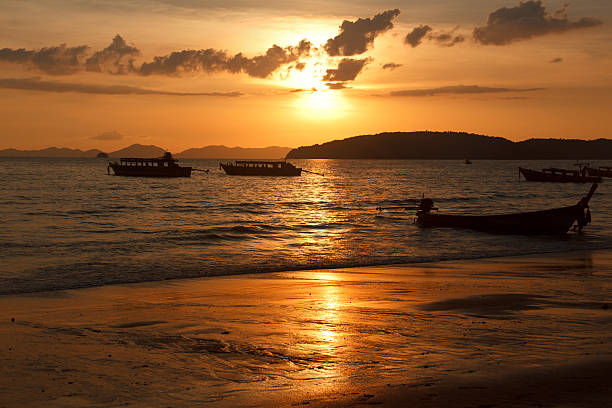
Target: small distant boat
(467,161)
(260,168)
(555,221)
(558,175)
(165,166)
(602,171)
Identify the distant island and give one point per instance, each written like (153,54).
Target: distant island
(138,150)
(454,146)
(422,145)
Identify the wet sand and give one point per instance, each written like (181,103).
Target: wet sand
(530,331)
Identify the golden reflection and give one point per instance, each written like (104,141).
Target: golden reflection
(328,313)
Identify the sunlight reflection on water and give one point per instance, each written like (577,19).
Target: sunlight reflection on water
(67,224)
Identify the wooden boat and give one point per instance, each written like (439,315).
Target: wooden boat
(599,172)
(558,176)
(260,168)
(556,221)
(165,166)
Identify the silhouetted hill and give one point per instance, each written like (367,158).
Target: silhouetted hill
(224,152)
(452,145)
(49,152)
(138,150)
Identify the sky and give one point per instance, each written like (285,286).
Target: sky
(189,73)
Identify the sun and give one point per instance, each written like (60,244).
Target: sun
(310,77)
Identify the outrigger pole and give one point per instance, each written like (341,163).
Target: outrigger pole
(318,174)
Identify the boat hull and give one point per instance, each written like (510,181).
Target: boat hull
(261,171)
(548,222)
(150,171)
(534,175)
(598,172)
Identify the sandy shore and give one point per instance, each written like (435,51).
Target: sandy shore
(529,331)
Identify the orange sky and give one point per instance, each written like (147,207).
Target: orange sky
(179,74)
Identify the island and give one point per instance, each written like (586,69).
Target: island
(430,145)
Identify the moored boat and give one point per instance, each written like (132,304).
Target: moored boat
(602,171)
(260,168)
(556,221)
(165,166)
(558,175)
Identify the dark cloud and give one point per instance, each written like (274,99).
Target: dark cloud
(117,58)
(447,39)
(459,89)
(442,38)
(415,37)
(528,19)
(60,60)
(112,135)
(556,60)
(211,60)
(356,36)
(336,85)
(391,65)
(347,70)
(36,84)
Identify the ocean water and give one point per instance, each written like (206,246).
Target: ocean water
(65,223)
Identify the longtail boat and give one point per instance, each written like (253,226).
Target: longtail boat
(558,176)
(165,166)
(556,221)
(602,171)
(260,168)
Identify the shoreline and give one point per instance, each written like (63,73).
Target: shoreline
(502,331)
(415,263)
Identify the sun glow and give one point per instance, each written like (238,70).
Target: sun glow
(313,97)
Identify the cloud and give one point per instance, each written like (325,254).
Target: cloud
(415,37)
(112,135)
(211,60)
(117,58)
(556,60)
(60,60)
(347,70)
(391,65)
(528,19)
(336,85)
(442,38)
(459,89)
(447,39)
(36,84)
(356,37)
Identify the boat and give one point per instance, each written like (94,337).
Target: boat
(555,221)
(602,171)
(165,166)
(558,175)
(260,168)
(467,161)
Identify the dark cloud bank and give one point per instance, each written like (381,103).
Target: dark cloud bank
(357,36)
(460,90)
(528,19)
(119,59)
(37,84)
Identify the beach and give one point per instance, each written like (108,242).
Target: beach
(522,331)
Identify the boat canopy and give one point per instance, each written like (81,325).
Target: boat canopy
(262,163)
(553,170)
(165,161)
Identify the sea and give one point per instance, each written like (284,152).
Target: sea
(66,223)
